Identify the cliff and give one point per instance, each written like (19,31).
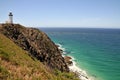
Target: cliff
(16,64)
(36,43)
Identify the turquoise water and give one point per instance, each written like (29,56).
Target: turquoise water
(97,51)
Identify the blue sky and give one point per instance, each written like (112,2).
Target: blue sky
(63,13)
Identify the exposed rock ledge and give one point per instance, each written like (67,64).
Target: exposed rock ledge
(37,43)
(68,60)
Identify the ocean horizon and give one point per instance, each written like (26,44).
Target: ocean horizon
(95,50)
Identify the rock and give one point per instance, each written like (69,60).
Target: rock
(68,60)
(68,57)
(37,43)
(61,51)
(57,45)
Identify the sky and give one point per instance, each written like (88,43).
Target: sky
(62,13)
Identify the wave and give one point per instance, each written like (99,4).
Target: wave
(73,68)
(61,48)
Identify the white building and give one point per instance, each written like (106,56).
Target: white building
(10,21)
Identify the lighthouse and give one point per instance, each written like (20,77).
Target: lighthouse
(10,18)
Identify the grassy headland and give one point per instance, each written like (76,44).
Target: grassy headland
(17,64)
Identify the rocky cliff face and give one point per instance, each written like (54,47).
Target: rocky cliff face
(37,43)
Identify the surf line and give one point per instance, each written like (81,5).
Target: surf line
(72,64)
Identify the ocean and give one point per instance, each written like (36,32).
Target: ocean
(96,51)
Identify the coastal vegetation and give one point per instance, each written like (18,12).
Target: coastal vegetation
(16,63)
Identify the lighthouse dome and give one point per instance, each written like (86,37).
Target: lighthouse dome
(10,14)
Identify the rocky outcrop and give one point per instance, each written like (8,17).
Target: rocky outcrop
(37,43)
(68,60)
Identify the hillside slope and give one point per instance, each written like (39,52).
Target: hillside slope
(37,43)
(16,64)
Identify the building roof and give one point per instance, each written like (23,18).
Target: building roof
(10,14)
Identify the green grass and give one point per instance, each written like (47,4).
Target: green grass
(3,73)
(4,55)
(16,64)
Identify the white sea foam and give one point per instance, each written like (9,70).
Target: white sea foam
(60,47)
(81,73)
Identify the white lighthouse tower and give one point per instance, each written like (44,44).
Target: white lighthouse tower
(10,18)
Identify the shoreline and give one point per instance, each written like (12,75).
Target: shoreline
(72,66)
